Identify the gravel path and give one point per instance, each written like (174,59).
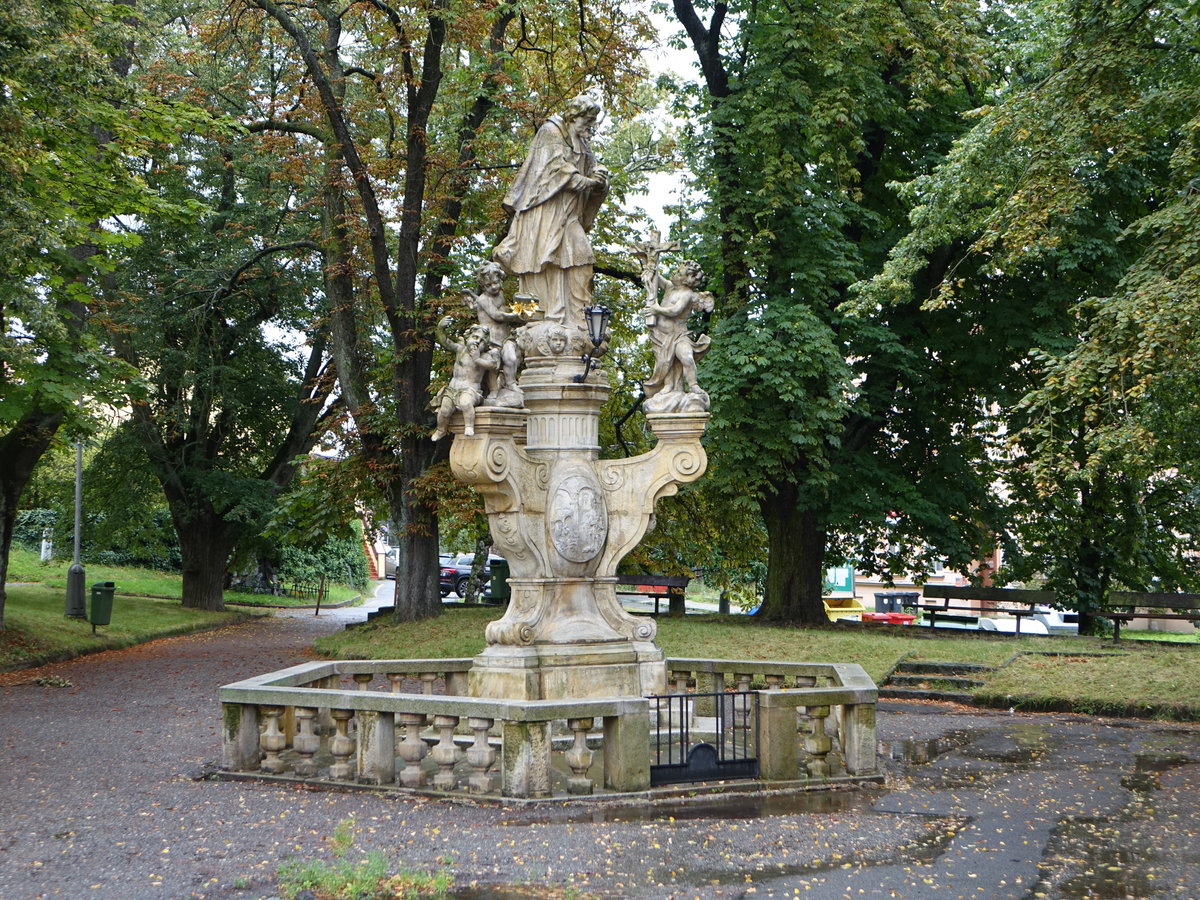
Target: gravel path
(101,796)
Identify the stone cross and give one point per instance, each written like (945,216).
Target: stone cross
(649,252)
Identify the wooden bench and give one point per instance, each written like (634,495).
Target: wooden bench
(673,587)
(1026,601)
(302,590)
(1123,607)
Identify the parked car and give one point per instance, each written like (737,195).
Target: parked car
(457,569)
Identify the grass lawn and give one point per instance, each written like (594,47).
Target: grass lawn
(1147,674)
(1061,672)
(24,566)
(146,606)
(36,631)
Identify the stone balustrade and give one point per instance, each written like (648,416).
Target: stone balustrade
(351,722)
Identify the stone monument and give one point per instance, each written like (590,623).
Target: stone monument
(562,517)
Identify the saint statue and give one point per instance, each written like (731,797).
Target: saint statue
(553,201)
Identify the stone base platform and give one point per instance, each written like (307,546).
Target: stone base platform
(568,671)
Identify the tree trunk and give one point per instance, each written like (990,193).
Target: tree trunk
(795,560)
(20,450)
(205,544)
(417,567)
(1091,573)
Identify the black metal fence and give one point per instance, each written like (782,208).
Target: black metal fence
(704,737)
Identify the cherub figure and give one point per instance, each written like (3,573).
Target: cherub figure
(494,315)
(473,360)
(673,386)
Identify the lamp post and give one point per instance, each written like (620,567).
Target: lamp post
(597,317)
(76,599)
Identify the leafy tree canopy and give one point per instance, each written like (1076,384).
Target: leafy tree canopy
(1077,186)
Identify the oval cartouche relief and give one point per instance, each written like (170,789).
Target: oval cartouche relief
(577,516)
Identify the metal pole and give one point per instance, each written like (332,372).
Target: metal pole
(76,600)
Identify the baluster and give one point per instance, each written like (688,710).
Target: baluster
(412,749)
(774,682)
(481,756)
(306,743)
(427,680)
(741,709)
(680,682)
(579,757)
(818,743)
(445,753)
(364,680)
(342,746)
(396,678)
(272,740)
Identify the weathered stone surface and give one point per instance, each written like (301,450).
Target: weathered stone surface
(526,759)
(563,518)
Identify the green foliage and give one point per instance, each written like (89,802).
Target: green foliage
(126,521)
(340,559)
(70,158)
(355,879)
(1072,197)
(31,525)
(838,421)
(221,312)
(319,506)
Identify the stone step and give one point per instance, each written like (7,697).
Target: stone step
(942,681)
(941,669)
(890,693)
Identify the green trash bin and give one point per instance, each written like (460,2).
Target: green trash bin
(102,600)
(500,589)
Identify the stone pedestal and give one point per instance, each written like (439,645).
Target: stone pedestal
(564,518)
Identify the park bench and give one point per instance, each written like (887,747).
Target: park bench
(673,587)
(1124,606)
(305,591)
(1019,602)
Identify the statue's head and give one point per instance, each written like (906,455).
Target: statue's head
(477,336)
(556,341)
(582,107)
(689,272)
(489,275)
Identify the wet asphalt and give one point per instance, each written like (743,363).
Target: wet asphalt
(103,794)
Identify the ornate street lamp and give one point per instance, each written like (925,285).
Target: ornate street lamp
(597,324)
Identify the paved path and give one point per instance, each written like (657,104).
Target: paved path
(100,797)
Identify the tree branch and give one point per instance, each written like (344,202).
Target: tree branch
(347,147)
(288,128)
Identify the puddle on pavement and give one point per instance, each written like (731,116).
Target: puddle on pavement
(919,751)
(1091,858)
(1017,745)
(1149,767)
